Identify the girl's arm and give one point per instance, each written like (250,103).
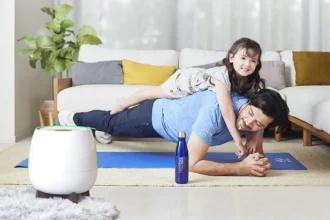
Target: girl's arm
(227,111)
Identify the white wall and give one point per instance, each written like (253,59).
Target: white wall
(7,48)
(22,89)
(32,86)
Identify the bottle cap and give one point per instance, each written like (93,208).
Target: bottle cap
(182,134)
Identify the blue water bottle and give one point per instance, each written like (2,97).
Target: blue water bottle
(181,160)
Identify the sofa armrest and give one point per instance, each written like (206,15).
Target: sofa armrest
(59,85)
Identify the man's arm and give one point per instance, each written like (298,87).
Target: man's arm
(197,150)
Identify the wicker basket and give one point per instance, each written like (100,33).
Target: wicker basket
(46,113)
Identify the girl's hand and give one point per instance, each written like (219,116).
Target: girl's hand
(241,150)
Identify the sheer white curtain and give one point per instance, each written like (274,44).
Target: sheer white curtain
(206,24)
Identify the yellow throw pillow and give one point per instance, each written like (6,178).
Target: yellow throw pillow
(312,68)
(145,74)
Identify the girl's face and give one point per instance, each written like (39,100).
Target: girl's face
(244,61)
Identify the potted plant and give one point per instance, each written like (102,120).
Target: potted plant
(58,51)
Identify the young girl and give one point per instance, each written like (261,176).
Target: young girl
(239,73)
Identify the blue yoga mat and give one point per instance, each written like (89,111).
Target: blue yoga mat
(279,161)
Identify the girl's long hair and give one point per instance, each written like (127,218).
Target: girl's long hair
(251,83)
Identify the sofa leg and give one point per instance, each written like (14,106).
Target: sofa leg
(277,135)
(307,138)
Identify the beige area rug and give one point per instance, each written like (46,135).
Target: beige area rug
(316,159)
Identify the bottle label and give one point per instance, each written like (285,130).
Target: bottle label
(181,170)
(181,163)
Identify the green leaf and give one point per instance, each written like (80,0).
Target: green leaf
(66,24)
(69,55)
(49,68)
(89,39)
(25,51)
(75,55)
(86,30)
(65,51)
(36,55)
(49,11)
(72,44)
(59,65)
(71,31)
(44,57)
(53,45)
(33,63)
(30,41)
(55,54)
(68,64)
(42,41)
(58,38)
(61,45)
(54,25)
(62,11)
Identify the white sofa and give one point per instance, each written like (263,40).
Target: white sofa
(309,105)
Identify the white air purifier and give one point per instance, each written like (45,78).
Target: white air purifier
(63,160)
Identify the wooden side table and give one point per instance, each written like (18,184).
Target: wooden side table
(46,113)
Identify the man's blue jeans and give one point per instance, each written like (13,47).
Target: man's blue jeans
(134,122)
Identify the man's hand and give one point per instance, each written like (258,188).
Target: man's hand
(255,165)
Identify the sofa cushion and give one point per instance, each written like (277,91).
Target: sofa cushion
(208,65)
(273,73)
(321,112)
(301,99)
(194,57)
(290,72)
(90,97)
(312,68)
(96,53)
(104,72)
(145,74)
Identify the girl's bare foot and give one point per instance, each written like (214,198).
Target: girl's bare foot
(120,106)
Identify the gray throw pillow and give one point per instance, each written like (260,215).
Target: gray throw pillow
(273,73)
(104,72)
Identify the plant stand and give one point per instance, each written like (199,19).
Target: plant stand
(46,113)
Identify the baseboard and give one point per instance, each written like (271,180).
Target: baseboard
(8,141)
(22,135)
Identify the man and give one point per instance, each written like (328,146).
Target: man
(199,116)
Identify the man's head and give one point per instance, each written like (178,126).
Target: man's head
(265,108)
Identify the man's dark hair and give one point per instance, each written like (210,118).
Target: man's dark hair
(272,105)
